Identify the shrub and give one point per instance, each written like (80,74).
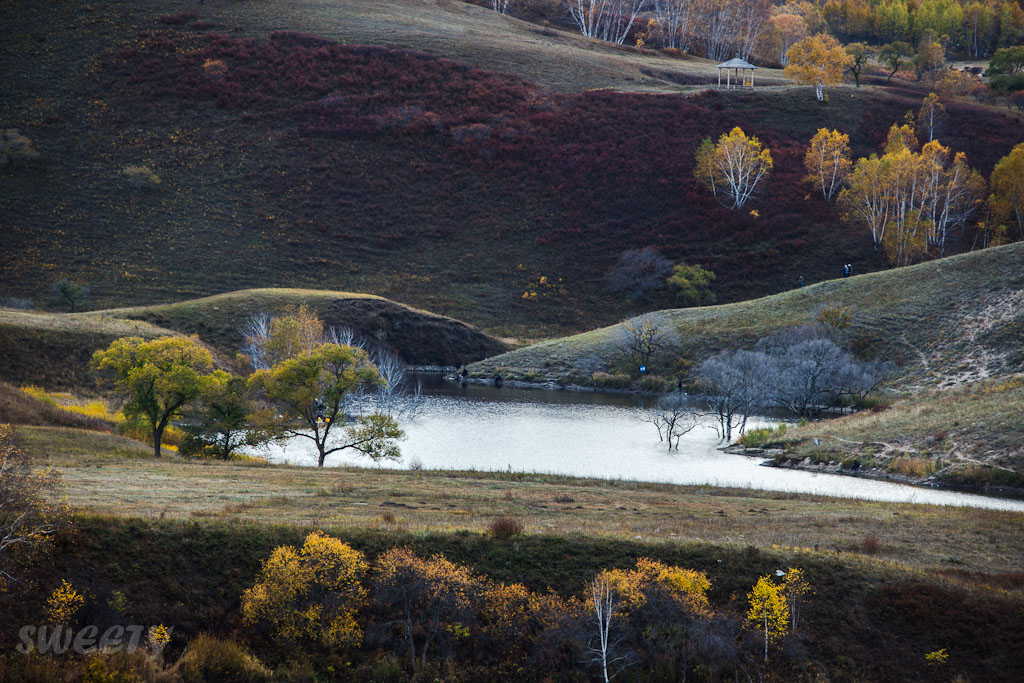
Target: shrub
(655,384)
(756,438)
(912,466)
(210,659)
(141,176)
(604,380)
(505,527)
(15,147)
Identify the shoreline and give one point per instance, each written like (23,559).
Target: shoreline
(768,455)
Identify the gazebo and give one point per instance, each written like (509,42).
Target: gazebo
(740,68)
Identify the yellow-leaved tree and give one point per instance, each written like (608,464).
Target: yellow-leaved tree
(819,61)
(769,611)
(911,200)
(310,593)
(1007,200)
(734,167)
(828,161)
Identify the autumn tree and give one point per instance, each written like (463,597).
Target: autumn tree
(795,589)
(29,517)
(734,167)
(859,54)
(931,117)
(431,603)
(225,417)
(157,378)
(654,613)
(783,30)
(311,391)
(310,593)
(819,61)
(640,338)
(828,161)
(894,56)
(692,284)
(1007,180)
(909,200)
(930,57)
(768,612)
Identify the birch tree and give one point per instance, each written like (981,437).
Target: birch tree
(609,20)
(828,161)
(819,61)
(768,611)
(734,167)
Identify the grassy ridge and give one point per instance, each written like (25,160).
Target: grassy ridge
(54,349)
(453,189)
(945,322)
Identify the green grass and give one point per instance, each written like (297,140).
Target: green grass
(944,322)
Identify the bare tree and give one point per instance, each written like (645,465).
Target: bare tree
(639,272)
(676,19)
(673,417)
(609,20)
(640,338)
(28,520)
(734,387)
(255,334)
(603,602)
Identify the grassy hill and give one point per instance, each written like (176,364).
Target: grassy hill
(454,186)
(944,322)
(53,349)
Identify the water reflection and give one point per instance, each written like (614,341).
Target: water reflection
(600,435)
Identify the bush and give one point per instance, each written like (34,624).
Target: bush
(912,466)
(757,438)
(604,380)
(210,659)
(141,176)
(15,147)
(655,384)
(505,527)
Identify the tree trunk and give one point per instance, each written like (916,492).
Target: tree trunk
(819,91)
(158,435)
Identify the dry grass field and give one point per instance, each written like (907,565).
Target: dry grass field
(105,474)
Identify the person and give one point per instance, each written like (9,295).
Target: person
(849,269)
(801,280)
(846,270)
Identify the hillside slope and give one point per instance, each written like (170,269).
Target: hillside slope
(290,160)
(53,349)
(420,337)
(945,322)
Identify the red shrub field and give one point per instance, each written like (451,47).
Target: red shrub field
(382,169)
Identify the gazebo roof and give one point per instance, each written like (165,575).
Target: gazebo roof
(736,63)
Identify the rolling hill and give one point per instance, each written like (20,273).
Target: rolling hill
(53,349)
(946,322)
(460,162)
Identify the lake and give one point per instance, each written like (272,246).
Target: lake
(590,434)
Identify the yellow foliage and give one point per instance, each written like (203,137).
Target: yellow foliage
(818,60)
(63,603)
(769,611)
(310,593)
(828,161)
(734,166)
(633,585)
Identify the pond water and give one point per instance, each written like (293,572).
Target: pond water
(599,435)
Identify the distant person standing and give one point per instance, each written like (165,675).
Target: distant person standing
(801,280)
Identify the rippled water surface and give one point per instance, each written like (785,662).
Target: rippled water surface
(595,435)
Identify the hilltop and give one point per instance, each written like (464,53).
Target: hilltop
(455,175)
(54,349)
